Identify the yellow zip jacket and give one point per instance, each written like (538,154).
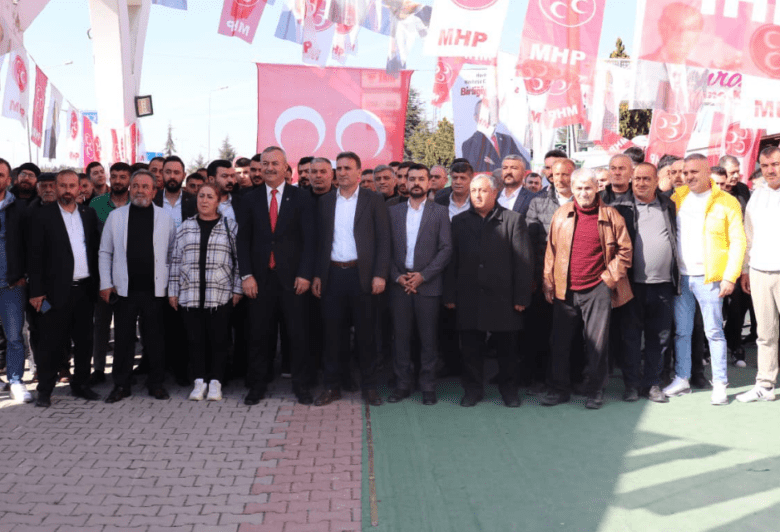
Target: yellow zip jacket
(724,236)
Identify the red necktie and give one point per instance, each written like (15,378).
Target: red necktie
(274,212)
(494,139)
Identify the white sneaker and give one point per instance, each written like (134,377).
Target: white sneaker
(199,391)
(20,394)
(215,391)
(758,393)
(719,396)
(740,364)
(679,386)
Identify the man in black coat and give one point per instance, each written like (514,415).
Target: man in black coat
(63,273)
(489,284)
(351,269)
(276,247)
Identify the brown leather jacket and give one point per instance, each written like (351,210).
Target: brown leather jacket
(615,242)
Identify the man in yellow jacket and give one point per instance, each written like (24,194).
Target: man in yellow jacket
(711,246)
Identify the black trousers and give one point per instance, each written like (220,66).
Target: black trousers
(592,309)
(410,311)
(73,321)
(273,298)
(651,312)
(238,324)
(535,339)
(449,340)
(344,298)
(208,338)
(734,307)
(149,310)
(473,349)
(314,327)
(176,352)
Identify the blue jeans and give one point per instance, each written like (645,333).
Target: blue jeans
(12,317)
(693,289)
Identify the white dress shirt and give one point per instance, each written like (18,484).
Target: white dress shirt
(78,245)
(226,208)
(508,202)
(344,247)
(562,200)
(413,220)
(174,211)
(455,210)
(268,194)
(762,219)
(690,233)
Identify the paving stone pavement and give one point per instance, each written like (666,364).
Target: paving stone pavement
(178,465)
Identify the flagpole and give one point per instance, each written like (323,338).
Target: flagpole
(29,143)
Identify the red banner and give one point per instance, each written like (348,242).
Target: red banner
(88,142)
(36,132)
(240,18)
(352,109)
(669,134)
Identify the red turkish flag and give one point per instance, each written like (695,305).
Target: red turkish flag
(324,111)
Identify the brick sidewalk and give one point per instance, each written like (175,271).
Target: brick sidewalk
(178,465)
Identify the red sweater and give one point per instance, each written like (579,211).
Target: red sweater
(587,258)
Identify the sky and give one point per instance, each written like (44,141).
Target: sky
(187,65)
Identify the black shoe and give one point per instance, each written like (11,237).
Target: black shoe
(750,339)
(84,392)
(43,401)
(304,397)
(595,401)
(141,369)
(398,395)
(372,398)
(511,399)
(538,389)
(117,394)
(555,398)
(631,394)
(656,395)
(97,377)
(327,397)
(429,398)
(254,396)
(159,393)
(470,399)
(699,382)
(579,389)
(182,381)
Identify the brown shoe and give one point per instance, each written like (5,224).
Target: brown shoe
(327,397)
(372,398)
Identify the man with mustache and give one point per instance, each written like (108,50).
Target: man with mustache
(222,174)
(26,179)
(133,261)
(63,274)
(178,203)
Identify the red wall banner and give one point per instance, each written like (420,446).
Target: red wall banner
(39,101)
(323,111)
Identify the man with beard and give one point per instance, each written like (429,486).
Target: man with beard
(194,182)
(384,181)
(97,174)
(222,174)
(134,251)
(320,177)
(514,197)
(403,193)
(26,179)
(63,275)
(256,171)
(304,167)
(103,205)
(86,190)
(422,247)
(178,203)
(156,168)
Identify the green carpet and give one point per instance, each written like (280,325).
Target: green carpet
(683,466)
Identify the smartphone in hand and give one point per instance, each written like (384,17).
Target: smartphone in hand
(45,307)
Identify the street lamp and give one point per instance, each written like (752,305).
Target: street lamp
(208,154)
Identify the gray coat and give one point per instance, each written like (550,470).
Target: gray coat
(538,219)
(433,249)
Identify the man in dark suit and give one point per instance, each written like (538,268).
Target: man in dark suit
(63,274)
(484,152)
(276,247)
(515,196)
(353,261)
(180,205)
(422,247)
(489,285)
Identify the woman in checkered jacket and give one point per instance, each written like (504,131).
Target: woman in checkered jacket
(204,282)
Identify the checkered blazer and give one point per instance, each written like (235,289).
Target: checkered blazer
(222,277)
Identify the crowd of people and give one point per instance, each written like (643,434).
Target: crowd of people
(427,271)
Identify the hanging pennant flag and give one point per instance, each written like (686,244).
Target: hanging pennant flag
(411,23)
(461,28)
(447,70)
(240,18)
(39,101)
(318,32)
(379,18)
(175,4)
(669,134)
(89,149)
(52,133)
(74,136)
(17,93)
